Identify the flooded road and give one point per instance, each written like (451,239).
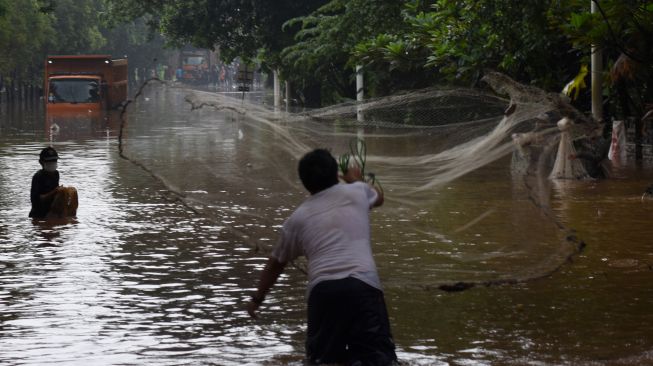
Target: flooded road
(168,244)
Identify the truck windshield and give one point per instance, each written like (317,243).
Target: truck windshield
(194,60)
(74,91)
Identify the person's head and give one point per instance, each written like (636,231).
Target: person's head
(48,159)
(318,170)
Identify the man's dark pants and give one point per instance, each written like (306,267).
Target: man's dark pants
(348,324)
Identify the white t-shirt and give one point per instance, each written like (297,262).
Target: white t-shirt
(332,229)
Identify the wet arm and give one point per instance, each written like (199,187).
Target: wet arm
(379,198)
(269,276)
(34,195)
(48,195)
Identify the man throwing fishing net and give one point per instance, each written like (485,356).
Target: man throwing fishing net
(347,317)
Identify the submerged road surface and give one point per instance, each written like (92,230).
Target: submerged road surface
(160,262)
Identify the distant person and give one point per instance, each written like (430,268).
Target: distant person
(215,75)
(179,74)
(161,72)
(49,199)
(347,316)
(93,93)
(223,73)
(593,153)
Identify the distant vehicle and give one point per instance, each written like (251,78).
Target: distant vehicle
(195,67)
(80,88)
(94,80)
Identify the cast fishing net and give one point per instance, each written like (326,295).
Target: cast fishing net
(231,158)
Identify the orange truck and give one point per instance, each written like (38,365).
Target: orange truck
(81,88)
(195,66)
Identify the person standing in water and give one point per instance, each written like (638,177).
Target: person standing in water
(49,199)
(347,316)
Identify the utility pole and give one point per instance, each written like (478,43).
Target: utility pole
(287,95)
(277,90)
(360,93)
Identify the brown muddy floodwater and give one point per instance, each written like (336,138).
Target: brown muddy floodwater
(143,278)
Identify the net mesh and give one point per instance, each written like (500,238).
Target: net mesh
(417,143)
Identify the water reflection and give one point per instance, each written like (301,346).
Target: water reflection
(134,280)
(143,278)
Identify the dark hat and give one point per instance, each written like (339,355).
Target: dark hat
(48,154)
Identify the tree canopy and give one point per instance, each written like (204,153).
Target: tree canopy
(325,42)
(33,29)
(27,32)
(316,44)
(458,40)
(239,28)
(623,29)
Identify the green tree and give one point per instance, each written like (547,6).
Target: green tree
(32,29)
(457,40)
(321,55)
(623,30)
(24,34)
(239,28)
(135,40)
(250,29)
(76,26)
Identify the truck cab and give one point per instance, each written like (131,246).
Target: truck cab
(80,90)
(195,66)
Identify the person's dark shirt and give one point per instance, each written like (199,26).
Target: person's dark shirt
(592,154)
(42,182)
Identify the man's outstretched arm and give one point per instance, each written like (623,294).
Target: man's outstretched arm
(354,174)
(269,276)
